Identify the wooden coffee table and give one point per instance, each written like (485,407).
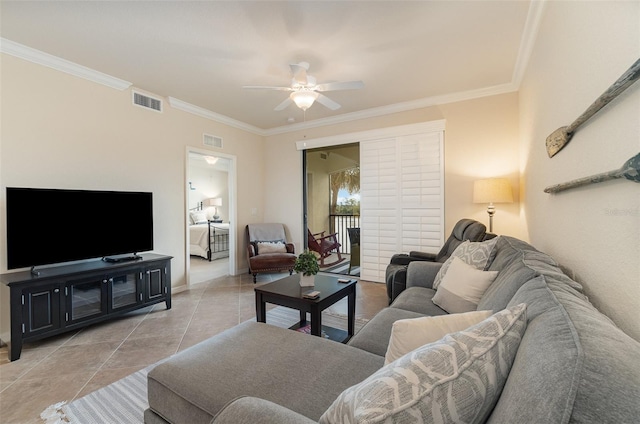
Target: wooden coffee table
(287,292)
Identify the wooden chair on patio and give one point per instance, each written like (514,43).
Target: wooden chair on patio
(324,246)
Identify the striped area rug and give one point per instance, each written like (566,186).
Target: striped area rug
(343,268)
(124,401)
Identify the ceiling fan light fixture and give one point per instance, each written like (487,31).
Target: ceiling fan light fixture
(304,99)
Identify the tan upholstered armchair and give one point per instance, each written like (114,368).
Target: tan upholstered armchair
(268,250)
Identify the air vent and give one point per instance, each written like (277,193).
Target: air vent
(147,102)
(212,140)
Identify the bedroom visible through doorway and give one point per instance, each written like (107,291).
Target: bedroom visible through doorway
(210,229)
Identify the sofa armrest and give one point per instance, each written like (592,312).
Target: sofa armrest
(249,410)
(422,256)
(404,259)
(422,274)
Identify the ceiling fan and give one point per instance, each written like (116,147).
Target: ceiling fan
(305,91)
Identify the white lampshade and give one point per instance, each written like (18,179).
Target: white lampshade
(304,99)
(492,190)
(214,201)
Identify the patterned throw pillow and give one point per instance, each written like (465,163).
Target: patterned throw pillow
(477,254)
(456,379)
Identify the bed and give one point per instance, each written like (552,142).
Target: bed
(208,239)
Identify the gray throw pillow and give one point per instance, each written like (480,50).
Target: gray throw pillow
(479,255)
(456,379)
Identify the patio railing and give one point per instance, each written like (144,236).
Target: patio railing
(339,224)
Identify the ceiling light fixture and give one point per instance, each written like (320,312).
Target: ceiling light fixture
(211,160)
(304,99)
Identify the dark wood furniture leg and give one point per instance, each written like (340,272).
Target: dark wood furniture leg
(316,320)
(261,310)
(351,312)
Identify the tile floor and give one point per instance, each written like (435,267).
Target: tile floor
(74,364)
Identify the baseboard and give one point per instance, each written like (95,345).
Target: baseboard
(4,339)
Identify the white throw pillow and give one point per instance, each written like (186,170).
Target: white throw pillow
(198,217)
(462,287)
(409,334)
(480,255)
(457,379)
(271,247)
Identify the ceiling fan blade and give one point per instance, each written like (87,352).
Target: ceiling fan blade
(327,102)
(299,72)
(284,104)
(333,86)
(264,87)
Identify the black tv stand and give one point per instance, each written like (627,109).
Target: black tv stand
(69,297)
(126,258)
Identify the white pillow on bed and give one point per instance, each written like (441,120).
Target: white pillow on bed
(198,217)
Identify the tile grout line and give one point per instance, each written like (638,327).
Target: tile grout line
(191,318)
(56,348)
(110,356)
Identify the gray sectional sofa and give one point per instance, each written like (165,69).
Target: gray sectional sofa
(573,365)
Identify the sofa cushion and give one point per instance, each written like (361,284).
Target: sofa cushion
(418,299)
(462,287)
(457,379)
(589,366)
(374,336)
(477,254)
(410,334)
(248,409)
(513,271)
(260,360)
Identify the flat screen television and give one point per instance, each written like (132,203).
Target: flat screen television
(47,226)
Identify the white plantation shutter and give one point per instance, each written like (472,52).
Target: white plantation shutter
(402,198)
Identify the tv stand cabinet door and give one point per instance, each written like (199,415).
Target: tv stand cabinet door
(41,311)
(155,284)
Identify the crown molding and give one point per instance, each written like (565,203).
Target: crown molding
(529,36)
(396,108)
(45,59)
(527,42)
(207,114)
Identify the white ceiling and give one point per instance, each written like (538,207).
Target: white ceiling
(409,54)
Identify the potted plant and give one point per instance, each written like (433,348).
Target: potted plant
(307,266)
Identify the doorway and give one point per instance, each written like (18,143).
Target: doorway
(332,204)
(210,215)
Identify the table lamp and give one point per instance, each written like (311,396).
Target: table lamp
(214,202)
(492,190)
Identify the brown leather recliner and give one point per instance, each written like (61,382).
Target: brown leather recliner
(268,250)
(396,272)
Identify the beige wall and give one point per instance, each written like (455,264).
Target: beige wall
(582,48)
(481,140)
(65,132)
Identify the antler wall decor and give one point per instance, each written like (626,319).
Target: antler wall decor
(560,137)
(629,170)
